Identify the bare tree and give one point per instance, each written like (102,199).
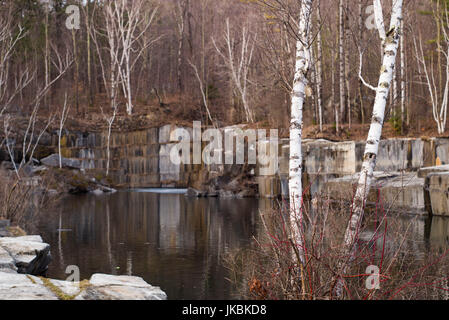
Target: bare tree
(8,41)
(390,40)
(203,94)
(180,16)
(62,120)
(341,58)
(303,59)
(126,26)
(239,64)
(319,67)
(438,98)
(110,121)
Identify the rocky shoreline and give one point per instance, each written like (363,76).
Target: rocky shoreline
(23,265)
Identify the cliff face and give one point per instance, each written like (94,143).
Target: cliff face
(142,159)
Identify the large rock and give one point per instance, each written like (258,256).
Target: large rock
(437,199)
(6,261)
(23,287)
(424,172)
(110,287)
(403,191)
(53,161)
(99,287)
(322,156)
(29,254)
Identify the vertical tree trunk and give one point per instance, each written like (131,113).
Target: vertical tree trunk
(347,63)
(76,76)
(402,77)
(319,71)
(362,110)
(341,59)
(298,97)
(89,68)
(47,53)
(372,143)
(395,93)
(334,105)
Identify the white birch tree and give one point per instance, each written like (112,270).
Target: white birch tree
(239,64)
(439,99)
(319,68)
(341,58)
(62,120)
(126,25)
(303,57)
(403,97)
(390,41)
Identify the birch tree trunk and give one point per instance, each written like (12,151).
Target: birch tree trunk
(347,63)
(402,77)
(89,68)
(341,59)
(297,102)
(333,104)
(362,109)
(319,69)
(391,43)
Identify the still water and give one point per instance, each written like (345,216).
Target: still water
(171,241)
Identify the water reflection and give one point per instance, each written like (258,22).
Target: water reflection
(176,242)
(171,241)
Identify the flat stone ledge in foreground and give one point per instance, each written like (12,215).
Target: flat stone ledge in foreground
(99,287)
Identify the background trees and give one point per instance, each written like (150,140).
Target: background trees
(138,56)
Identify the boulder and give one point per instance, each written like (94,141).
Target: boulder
(29,253)
(53,161)
(15,286)
(424,172)
(23,287)
(437,197)
(404,191)
(6,261)
(110,287)
(194,193)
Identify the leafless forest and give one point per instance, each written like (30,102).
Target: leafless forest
(226,61)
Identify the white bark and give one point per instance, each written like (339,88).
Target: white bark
(372,145)
(379,18)
(402,77)
(319,70)
(439,100)
(62,120)
(110,121)
(298,96)
(239,66)
(341,58)
(123,20)
(195,69)
(8,41)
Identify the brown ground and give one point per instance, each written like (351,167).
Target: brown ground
(183,110)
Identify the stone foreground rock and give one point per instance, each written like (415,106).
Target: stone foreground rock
(22,259)
(99,287)
(28,254)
